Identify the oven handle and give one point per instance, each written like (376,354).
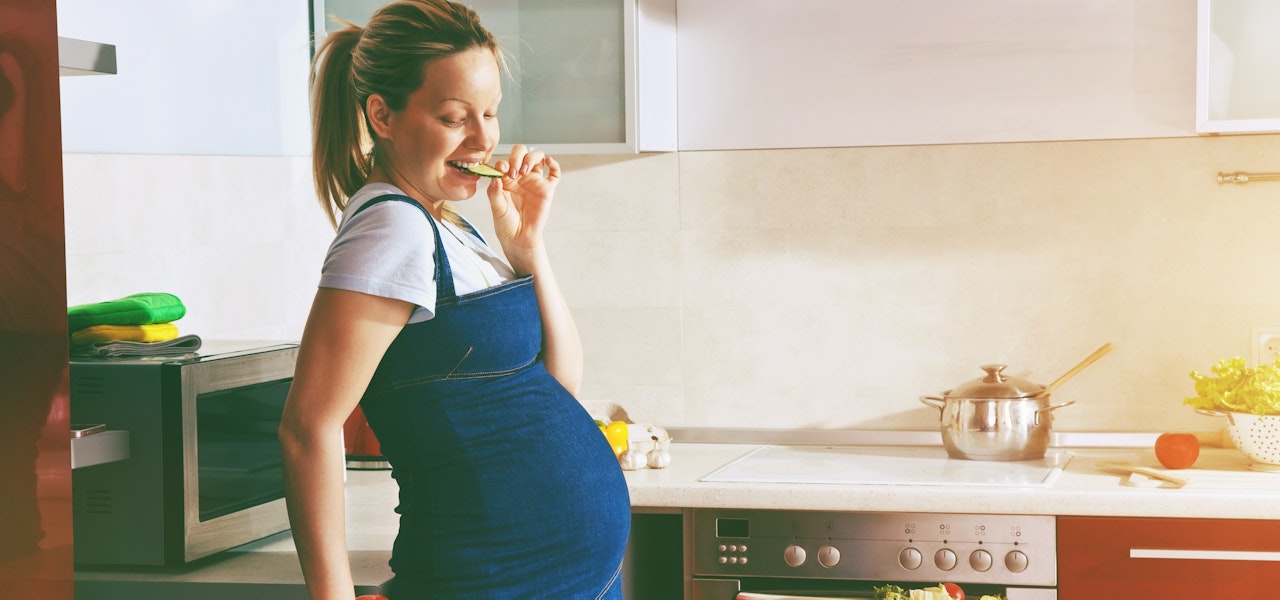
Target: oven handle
(758,596)
(1204,554)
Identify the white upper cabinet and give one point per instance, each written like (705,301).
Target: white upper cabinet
(820,73)
(193,77)
(1238,66)
(587,76)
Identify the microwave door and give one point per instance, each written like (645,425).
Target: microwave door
(233,476)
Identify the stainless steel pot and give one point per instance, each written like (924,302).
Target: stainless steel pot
(995,417)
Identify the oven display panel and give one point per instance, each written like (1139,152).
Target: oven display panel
(733,528)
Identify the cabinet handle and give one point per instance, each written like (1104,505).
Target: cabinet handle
(1204,554)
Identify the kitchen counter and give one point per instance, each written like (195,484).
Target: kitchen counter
(1221,487)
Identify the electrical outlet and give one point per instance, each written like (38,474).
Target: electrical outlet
(1266,345)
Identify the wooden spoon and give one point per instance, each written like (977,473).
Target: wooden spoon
(1076,369)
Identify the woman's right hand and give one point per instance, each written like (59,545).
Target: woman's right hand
(521,204)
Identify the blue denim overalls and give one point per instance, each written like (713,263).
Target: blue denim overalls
(507,487)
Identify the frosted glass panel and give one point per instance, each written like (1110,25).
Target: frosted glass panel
(1240,56)
(565,85)
(195,77)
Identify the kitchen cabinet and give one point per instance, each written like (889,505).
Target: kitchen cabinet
(222,78)
(1238,55)
(653,568)
(822,73)
(587,76)
(1103,558)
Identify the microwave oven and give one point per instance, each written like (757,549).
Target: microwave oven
(204,471)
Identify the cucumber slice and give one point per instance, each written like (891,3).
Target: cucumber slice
(484,170)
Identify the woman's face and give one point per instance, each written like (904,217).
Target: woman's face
(451,121)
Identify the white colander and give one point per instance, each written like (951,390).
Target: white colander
(1257,436)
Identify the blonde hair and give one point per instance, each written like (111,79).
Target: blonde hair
(388,57)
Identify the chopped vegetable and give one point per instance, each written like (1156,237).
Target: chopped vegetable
(939,592)
(483,170)
(1237,388)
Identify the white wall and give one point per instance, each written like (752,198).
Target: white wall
(787,288)
(784,288)
(238,239)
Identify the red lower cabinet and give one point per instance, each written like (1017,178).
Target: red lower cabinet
(1104,558)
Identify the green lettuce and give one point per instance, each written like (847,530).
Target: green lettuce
(1238,388)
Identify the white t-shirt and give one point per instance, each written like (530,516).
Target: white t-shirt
(388,250)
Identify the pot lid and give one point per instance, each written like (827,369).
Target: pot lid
(995,384)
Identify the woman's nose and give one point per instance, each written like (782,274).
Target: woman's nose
(483,136)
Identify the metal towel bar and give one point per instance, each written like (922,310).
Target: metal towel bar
(1243,177)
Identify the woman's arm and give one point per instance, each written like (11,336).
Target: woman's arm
(561,346)
(345,337)
(521,204)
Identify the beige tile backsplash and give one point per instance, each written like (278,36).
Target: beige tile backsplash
(787,288)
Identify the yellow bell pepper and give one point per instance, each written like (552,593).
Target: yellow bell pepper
(616,433)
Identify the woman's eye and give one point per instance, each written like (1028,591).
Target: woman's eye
(490,116)
(452,122)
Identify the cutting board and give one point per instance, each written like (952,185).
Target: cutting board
(1225,469)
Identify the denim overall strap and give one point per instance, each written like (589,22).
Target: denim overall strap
(443,274)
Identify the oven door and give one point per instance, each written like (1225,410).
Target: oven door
(732,589)
(709,588)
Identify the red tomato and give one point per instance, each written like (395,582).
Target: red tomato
(954,590)
(1177,450)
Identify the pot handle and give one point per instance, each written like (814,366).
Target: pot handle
(1216,413)
(1051,409)
(930,400)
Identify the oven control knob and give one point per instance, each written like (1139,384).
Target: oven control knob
(945,559)
(910,559)
(794,555)
(1016,561)
(980,560)
(828,556)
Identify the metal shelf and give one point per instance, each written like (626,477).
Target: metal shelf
(80,57)
(103,447)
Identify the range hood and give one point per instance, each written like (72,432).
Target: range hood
(79,57)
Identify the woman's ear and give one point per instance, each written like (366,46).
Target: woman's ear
(379,115)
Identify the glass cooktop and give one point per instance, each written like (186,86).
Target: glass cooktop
(885,466)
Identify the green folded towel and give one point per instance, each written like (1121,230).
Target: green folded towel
(137,309)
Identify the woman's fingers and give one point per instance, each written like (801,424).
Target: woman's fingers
(553,170)
(523,160)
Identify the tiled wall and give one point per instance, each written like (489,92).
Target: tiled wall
(788,288)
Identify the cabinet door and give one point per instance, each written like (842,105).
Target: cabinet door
(192,77)
(1239,56)
(1104,558)
(817,73)
(574,79)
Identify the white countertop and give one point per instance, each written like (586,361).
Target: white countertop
(1221,487)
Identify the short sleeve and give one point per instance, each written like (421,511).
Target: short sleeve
(385,250)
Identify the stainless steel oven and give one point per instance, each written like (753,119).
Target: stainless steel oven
(789,554)
(204,471)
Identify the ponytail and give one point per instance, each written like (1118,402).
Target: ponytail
(388,57)
(339,161)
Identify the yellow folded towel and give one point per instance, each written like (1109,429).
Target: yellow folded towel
(157,332)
